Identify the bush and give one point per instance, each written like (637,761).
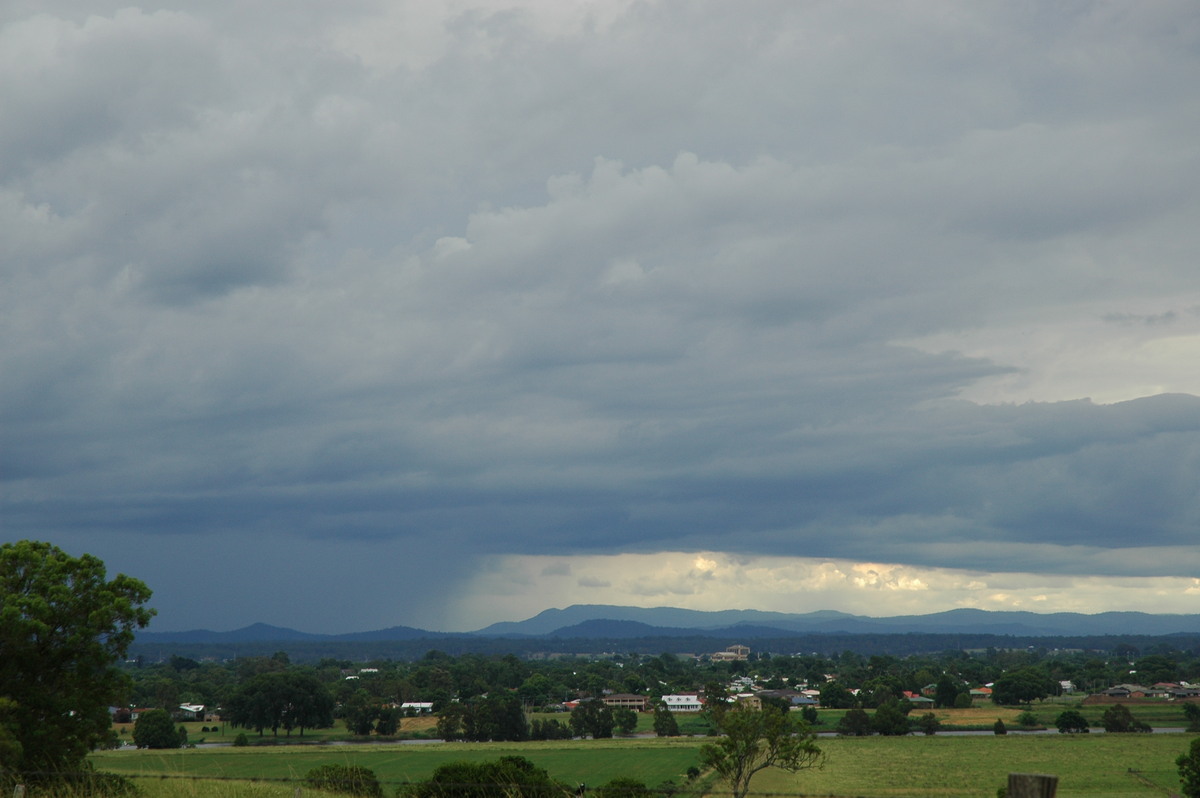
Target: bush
(1027,719)
(963,700)
(624,787)
(241,740)
(507,777)
(999,728)
(1071,722)
(348,779)
(929,723)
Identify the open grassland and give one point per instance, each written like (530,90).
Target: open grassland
(584,761)
(1116,766)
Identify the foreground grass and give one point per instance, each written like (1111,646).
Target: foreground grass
(1113,766)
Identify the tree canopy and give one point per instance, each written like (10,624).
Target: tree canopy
(63,628)
(757,739)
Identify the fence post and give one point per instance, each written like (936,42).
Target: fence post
(1031,785)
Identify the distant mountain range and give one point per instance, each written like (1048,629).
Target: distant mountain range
(601,621)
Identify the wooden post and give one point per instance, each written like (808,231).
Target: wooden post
(1031,785)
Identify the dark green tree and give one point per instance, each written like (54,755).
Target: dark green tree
(665,724)
(855,723)
(495,718)
(508,777)
(389,721)
(1071,721)
(1189,770)
(999,728)
(625,719)
(592,717)
(1023,686)
(156,729)
(1191,711)
(360,711)
(1118,720)
(891,718)
(835,695)
(281,700)
(63,628)
(755,739)
(929,723)
(946,692)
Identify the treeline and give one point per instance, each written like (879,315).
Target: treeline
(828,645)
(367,694)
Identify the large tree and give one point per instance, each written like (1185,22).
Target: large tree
(156,729)
(288,700)
(755,739)
(63,627)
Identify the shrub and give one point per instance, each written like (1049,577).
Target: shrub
(348,779)
(999,728)
(1027,719)
(963,700)
(241,740)
(624,787)
(1071,722)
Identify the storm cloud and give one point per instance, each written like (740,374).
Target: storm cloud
(417,299)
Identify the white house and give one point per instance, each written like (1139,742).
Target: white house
(684,702)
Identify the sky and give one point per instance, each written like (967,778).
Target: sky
(343,316)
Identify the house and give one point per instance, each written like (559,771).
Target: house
(683,702)
(190,712)
(626,701)
(748,700)
(417,707)
(735,653)
(917,699)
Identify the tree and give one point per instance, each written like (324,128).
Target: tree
(665,724)
(625,719)
(592,717)
(63,628)
(155,729)
(360,712)
(1022,686)
(507,777)
(891,718)
(1189,770)
(389,721)
(855,723)
(929,723)
(286,699)
(756,739)
(946,693)
(1071,721)
(1118,719)
(1191,711)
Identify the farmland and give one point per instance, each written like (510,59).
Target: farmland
(879,767)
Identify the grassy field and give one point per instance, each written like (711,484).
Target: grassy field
(1116,766)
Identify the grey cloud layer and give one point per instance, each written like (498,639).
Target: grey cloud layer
(628,284)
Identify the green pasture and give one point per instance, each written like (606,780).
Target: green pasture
(870,767)
(595,762)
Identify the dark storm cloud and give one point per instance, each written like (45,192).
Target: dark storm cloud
(457,282)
